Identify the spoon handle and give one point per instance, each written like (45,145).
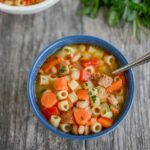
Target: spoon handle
(142,60)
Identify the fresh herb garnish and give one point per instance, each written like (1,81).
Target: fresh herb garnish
(94,98)
(136,12)
(86,83)
(62,69)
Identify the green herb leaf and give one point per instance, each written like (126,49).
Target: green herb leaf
(136,12)
(62,69)
(94,98)
(113,18)
(86,83)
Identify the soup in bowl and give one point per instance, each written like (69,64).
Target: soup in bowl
(73,92)
(20,2)
(25,6)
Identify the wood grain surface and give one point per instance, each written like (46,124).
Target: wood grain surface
(22,38)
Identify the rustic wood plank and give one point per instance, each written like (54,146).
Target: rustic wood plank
(133,132)
(21,39)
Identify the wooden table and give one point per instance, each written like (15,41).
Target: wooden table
(22,38)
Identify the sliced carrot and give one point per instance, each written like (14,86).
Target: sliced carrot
(83,94)
(48,99)
(61,84)
(50,63)
(81,116)
(115,86)
(92,121)
(105,122)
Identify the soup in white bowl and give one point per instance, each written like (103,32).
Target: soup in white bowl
(25,6)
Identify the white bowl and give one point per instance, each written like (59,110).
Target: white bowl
(31,9)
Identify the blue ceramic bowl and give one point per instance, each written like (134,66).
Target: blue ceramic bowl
(52,48)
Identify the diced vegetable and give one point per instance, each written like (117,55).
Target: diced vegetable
(47,112)
(67,117)
(44,79)
(61,84)
(73,97)
(83,95)
(85,76)
(105,81)
(50,63)
(48,99)
(81,116)
(90,62)
(82,104)
(74,85)
(115,86)
(105,122)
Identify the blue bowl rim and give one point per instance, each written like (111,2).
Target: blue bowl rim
(32,102)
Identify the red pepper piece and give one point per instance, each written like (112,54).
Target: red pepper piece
(47,112)
(85,76)
(90,62)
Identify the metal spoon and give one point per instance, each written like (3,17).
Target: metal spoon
(142,60)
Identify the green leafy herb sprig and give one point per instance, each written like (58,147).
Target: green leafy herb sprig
(136,12)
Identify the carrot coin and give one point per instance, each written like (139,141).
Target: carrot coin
(81,116)
(48,99)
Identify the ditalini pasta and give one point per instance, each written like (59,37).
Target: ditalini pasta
(76,91)
(21,2)
(55,120)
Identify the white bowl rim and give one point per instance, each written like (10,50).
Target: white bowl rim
(27,9)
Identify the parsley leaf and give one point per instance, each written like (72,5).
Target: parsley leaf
(120,12)
(62,69)
(94,98)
